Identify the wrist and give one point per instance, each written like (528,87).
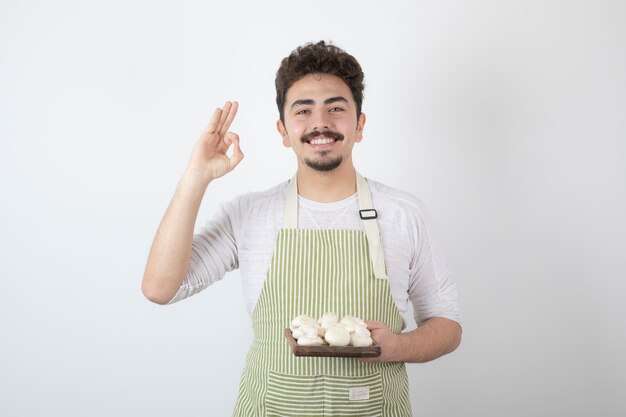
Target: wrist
(397,348)
(193,184)
(196,178)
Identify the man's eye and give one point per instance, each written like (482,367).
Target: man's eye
(336,109)
(303,111)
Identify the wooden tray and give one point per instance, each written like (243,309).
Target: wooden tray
(327,351)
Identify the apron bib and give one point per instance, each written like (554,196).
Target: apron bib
(313,272)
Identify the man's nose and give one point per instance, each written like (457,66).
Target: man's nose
(320,121)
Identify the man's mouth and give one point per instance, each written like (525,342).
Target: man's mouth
(321,138)
(321,141)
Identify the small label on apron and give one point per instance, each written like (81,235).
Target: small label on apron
(359,393)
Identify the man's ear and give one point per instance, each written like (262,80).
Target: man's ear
(360,124)
(283,133)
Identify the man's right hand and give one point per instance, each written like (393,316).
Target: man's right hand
(170,254)
(209,159)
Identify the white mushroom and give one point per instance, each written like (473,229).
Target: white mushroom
(361,331)
(331,315)
(297,333)
(337,336)
(352,319)
(310,330)
(327,320)
(361,340)
(349,326)
(300,320)
(310,341)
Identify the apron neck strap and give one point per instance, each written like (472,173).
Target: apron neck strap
(366,211)
(291,204)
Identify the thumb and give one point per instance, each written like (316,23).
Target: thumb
(237,156)
(375,324)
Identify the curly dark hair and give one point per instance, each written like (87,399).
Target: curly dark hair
(320,58)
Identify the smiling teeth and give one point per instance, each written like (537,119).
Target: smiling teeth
(323,141)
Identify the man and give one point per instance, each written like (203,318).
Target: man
(327,240)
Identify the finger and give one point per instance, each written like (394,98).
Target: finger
(236,157)
(229,117)
(223,116)
(212,126)
(230,138)
(375,324)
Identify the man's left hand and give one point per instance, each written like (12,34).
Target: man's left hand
(434,337)
(388,341)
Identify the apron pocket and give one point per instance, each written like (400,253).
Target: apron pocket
(294,396)
(353,395)
(323,395)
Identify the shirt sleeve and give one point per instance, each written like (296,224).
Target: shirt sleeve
(213,253)
(431,288)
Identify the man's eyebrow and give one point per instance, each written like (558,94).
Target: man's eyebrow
(335,99)
(302,102)
(308,101)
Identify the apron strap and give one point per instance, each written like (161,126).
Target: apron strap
(369,215)
(366,211)
(291,204)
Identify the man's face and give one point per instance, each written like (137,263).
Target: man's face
(320,122)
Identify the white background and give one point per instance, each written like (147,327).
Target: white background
(507,118)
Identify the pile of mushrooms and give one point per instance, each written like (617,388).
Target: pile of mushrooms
(349,331)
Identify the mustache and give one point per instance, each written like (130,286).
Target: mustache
(326,133)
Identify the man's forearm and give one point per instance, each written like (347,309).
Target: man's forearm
(170,254)
(434,338)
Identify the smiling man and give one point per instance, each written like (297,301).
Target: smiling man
(311,120)
(326,240)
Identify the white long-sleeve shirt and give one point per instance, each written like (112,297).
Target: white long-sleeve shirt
(242,234)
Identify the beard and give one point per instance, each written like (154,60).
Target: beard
(323,163)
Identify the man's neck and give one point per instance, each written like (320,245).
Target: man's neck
(327,187)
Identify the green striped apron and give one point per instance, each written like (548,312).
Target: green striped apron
(313,272)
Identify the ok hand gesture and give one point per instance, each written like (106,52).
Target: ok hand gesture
(209,157)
